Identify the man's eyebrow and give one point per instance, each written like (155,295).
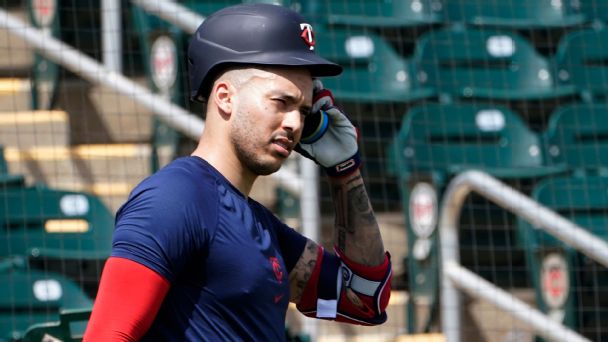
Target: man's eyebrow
(292,99)
(305,109)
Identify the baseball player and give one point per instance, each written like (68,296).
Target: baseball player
(194,257)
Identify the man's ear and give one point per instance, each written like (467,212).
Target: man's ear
(222,95)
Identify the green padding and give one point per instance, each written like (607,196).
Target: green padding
(446,139)
(25,211)
(31,297)
(373,70)
(535,13)
(577,137)
(488,64)
(582,59)
(373,13)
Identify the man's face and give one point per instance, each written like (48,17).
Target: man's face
(268,117)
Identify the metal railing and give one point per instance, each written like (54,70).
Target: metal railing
(455,276)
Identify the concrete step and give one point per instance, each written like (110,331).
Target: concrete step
(27,129)
(109,171)
(14,94)
(484,322)
(100,115)
(391,329)
(16,56)
(126,119)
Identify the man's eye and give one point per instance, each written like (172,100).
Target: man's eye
(281,101)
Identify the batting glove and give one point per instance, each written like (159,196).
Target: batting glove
(329,137)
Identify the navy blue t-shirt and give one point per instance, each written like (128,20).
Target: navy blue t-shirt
(226,256)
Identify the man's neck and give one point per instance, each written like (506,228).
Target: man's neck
(228,166)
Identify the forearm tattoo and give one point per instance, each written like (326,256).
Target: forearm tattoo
(299,276)
(356,229)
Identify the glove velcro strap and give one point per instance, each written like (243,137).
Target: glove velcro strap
(345,168)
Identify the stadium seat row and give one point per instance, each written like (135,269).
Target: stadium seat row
(53,244)
(404,13)
(564,168)
(466,63)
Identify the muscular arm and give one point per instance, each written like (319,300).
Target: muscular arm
(356,232)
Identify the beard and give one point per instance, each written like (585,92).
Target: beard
(244,140)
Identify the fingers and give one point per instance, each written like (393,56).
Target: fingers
(322,99)
(317,85)
(337,117)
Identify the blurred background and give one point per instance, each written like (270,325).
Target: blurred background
(94,98)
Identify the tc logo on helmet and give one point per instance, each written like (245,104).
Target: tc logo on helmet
(308,35)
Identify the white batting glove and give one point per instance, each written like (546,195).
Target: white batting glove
(329,137)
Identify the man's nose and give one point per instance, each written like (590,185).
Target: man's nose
(293,120)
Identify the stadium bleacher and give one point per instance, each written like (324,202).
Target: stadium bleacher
(531,14)
(373,70)
(437,142)
(373,14)
(469,63)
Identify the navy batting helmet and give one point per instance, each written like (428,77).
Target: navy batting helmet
(252,34)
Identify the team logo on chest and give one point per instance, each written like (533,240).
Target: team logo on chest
(276,268)
(308,35)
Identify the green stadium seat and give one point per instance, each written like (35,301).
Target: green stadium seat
(582,60)
(69,233)
(595,10)
(514,14)
(373,70)
(435,143)
(444,140)
(568,284)
(40,221)
(485,64)
(577,137)
(63,329)
(30,297)
(373,13)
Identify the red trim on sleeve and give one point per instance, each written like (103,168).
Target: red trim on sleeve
(127,302)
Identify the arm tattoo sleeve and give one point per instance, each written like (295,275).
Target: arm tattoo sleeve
(299,276)
(356,231)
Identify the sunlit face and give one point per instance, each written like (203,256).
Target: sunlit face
(267,120)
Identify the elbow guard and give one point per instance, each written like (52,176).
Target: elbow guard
(342,290)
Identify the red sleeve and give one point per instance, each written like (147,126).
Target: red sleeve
(127,302)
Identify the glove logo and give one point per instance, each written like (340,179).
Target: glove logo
(345,165)
(308,35)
